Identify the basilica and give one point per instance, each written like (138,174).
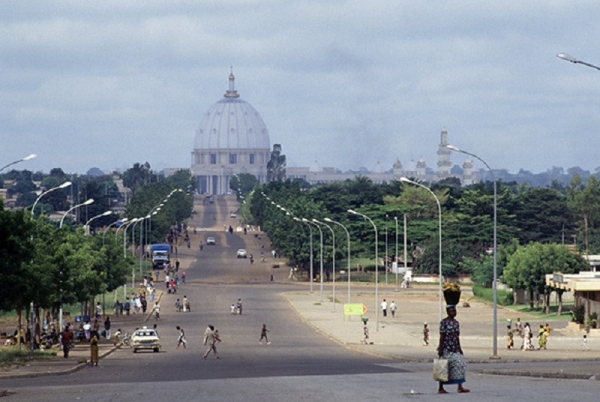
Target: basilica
(233,139)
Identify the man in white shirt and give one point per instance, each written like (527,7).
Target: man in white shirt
(384,307)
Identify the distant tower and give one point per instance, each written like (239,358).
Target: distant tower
(421,169)
(397,168)
(444,163)
(468,176)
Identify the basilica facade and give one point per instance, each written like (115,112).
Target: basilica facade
(231,139)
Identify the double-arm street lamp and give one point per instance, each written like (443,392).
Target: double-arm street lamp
(376,268)
(64,185)
(321,256)
(311,250)
(332,256)
(405,180)
(495,317)
(572,59)
(347,235)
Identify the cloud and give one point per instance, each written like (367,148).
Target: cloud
(348,83)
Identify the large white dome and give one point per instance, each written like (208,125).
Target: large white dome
(232,123)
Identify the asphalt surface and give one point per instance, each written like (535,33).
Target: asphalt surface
(311,341)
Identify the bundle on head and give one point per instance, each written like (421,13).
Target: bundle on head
(451,293)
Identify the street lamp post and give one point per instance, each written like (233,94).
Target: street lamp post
(311,251)
(64,185)
(134,220)
(385,266)
(405,180)
(495,317)
(397,260)
(347,235)
(376,268)
(60,312)
(122,221)
(321,256)
(87,224)
(571,59)
(88,202)
(28,157)
(332,257)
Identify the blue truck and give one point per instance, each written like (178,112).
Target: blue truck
(160,254)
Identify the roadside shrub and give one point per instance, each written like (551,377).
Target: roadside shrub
(578,314)
(504,297)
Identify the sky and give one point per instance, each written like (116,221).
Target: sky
(348,84)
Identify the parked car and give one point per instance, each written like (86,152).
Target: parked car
(210,241)
(241,253)
(233,215)
(145,339)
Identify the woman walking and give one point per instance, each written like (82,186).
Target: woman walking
(94,351)
(449,347)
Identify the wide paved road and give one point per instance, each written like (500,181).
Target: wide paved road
(299,365)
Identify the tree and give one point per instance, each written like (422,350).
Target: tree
(276,165)
(542,216)
(585,204)
(15,250)
(242,184)
(138,176)
(528,266)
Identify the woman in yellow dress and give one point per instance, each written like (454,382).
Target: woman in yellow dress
(94,349)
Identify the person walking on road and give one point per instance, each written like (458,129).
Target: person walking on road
(156,311)
(210,340)
(384,307)
(425,334)
(94,350)
(365,334)
(65,339)
(450,349)
(107,328)
(263,334)
(393,308)
(181,341)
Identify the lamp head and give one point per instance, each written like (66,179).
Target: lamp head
(405,180)
(353,211)
(107,213)
(88,202)
(452,147)
(327,220)
(566,57)
(29,157)
(65,184)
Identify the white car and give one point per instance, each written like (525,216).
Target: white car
(145,339)
(210,241)
(233,215)
(241,253)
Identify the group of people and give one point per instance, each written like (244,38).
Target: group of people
(526,334)
(236,308)
(392,308)
(182,305)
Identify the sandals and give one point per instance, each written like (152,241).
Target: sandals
(462,390)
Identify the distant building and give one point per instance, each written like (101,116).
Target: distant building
(231,139)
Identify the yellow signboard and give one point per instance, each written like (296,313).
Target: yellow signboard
(354,309)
